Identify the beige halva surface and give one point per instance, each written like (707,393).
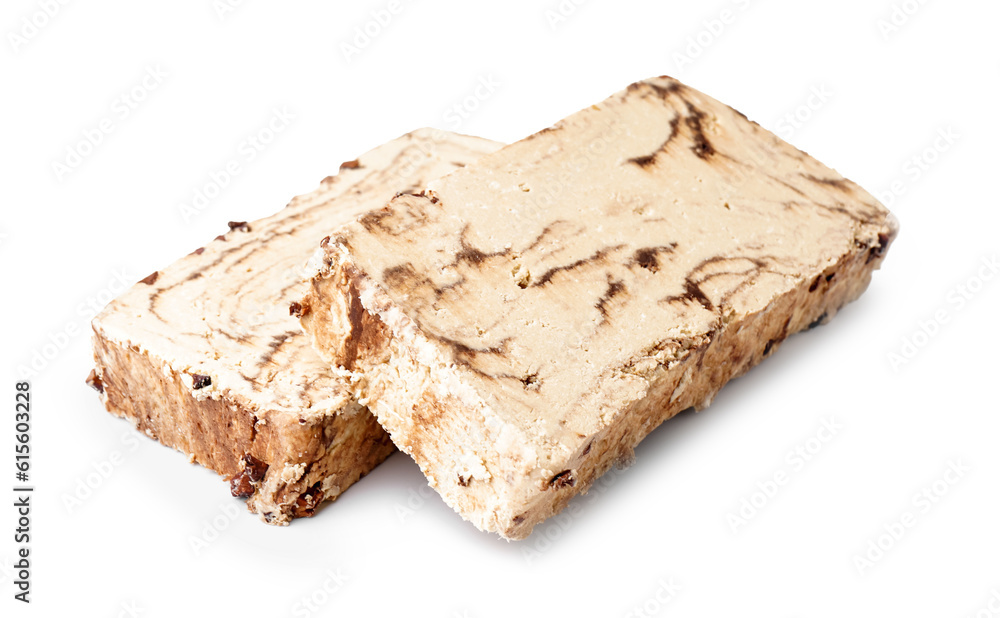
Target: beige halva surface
(520,327)
(205,357)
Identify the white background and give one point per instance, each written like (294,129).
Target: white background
(887,94)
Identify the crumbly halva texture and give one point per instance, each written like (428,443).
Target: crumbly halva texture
(207,355)
(524,323)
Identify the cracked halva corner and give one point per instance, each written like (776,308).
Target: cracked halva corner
(205,357)
(522,325)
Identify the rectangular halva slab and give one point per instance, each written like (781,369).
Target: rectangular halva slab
(522,325)
(205,357)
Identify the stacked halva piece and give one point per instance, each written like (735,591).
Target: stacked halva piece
(518,325)
(205,355)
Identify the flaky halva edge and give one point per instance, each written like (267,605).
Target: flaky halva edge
(284,467)
(679,380)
